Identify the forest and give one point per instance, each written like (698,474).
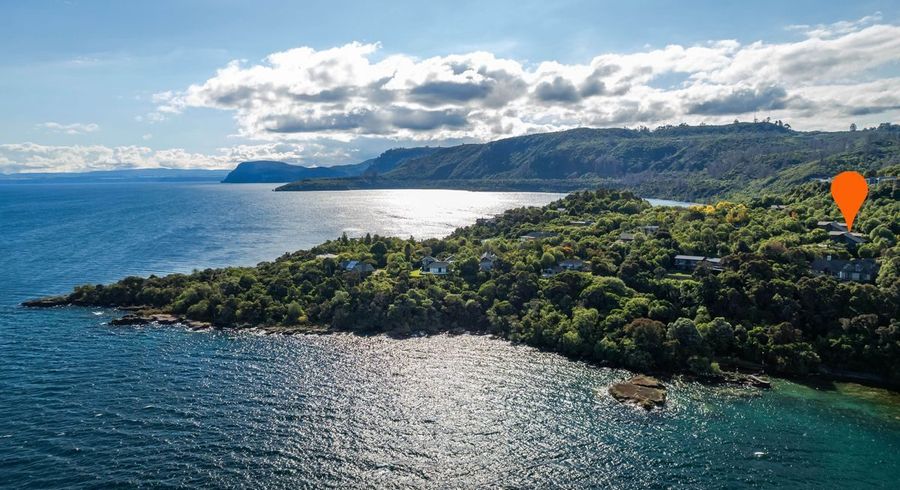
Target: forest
(620,300)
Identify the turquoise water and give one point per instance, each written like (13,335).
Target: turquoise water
(83,404)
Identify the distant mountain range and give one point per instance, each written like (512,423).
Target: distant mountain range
(679,162)
(264,171)
(130,175)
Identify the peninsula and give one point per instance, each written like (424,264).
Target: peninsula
(772,283)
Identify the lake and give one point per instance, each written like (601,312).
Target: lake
(83,404)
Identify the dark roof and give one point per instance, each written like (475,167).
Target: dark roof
(835,266)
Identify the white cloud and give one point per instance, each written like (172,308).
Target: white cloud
(348,92)
(74,128)
(32,157)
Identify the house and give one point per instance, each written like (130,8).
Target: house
(691,262)
(438,267)
(551,271)
(832,226)
(859,270)
(626,237)
(573,265)
(487,261)
(357,267)
(649,230)
(688,262)
(584,222)
(778,207)
(847,238)
(426,261)
(536,235)
(326,256)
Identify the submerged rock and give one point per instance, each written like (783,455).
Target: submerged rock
(130,320)
(644,391)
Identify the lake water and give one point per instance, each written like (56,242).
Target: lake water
(86,405)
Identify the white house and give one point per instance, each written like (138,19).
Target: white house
(439,267)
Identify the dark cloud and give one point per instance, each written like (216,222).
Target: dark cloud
(437,93)
(334,122)
(369,122)
(333,95)
(418,120)
(742,101)
(559,90)
(866,110)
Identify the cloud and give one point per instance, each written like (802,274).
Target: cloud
(74,128)
(350,92)
(742,101)
(32,157)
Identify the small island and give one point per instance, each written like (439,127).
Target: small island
(761,284)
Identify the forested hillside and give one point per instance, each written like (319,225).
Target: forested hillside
(599,275)
(687,162)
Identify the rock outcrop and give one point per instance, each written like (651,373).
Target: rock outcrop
(645,391)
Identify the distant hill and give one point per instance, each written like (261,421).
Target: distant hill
(130,175)
(265,171)
(675,161)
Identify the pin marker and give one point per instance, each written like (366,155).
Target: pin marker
(849,191)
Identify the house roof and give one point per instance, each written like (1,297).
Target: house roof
(572,262)
(439,263)
(626,236)
(869,266)
(689,257)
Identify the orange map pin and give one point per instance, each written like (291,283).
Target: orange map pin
(849,191)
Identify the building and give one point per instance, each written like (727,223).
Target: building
(487,261)
(859,270)
(426,261)
(536,235)
(691,262)
(649,230)
(626,237)
(573,265)
(847,238)
(326,256)
(832,226)
(580,222)
(438,267)
(357,267)
(688,262)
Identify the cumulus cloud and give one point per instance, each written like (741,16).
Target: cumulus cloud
(74,128)
(32,157)
(339,105)
(350,92)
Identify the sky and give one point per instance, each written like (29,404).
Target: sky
(98,85)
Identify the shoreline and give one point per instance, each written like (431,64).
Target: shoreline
(139,316)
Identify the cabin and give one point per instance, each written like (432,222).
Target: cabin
(857,270)
(688,262)
(357,266)
(438,267)
(573,265)
(486,263)
(847,238)
(536,235)
(426,261)
(832,226)
(691,262)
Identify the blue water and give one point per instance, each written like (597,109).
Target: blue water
(83,404)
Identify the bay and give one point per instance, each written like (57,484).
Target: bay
(86,405)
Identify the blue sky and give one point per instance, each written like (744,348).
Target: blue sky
(103,84)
